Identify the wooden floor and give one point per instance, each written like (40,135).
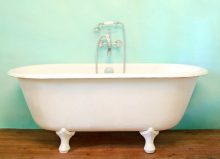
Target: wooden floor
(42,144)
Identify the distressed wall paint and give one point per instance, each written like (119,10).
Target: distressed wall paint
(61,31)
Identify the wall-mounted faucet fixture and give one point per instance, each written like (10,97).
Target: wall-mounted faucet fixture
(105,41)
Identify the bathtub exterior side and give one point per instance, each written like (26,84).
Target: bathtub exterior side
(133,104)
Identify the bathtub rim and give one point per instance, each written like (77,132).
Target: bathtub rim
(200,72)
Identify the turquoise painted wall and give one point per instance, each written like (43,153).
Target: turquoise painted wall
(61,31)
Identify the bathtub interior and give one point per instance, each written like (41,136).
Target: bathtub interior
(88,71)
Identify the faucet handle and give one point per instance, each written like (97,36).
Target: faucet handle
(118,43)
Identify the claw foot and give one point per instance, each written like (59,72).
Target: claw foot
(149,136)
(65,137)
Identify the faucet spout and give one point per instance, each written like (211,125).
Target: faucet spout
(106,41)
(109,43)
(109,51)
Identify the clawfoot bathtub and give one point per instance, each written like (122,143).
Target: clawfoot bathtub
(69,98)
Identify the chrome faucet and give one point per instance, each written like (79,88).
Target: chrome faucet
(105,41)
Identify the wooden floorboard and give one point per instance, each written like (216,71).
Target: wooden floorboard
(41,144)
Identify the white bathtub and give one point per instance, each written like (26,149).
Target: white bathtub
(70,97)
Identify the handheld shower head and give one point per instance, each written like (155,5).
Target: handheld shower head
(106,24)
